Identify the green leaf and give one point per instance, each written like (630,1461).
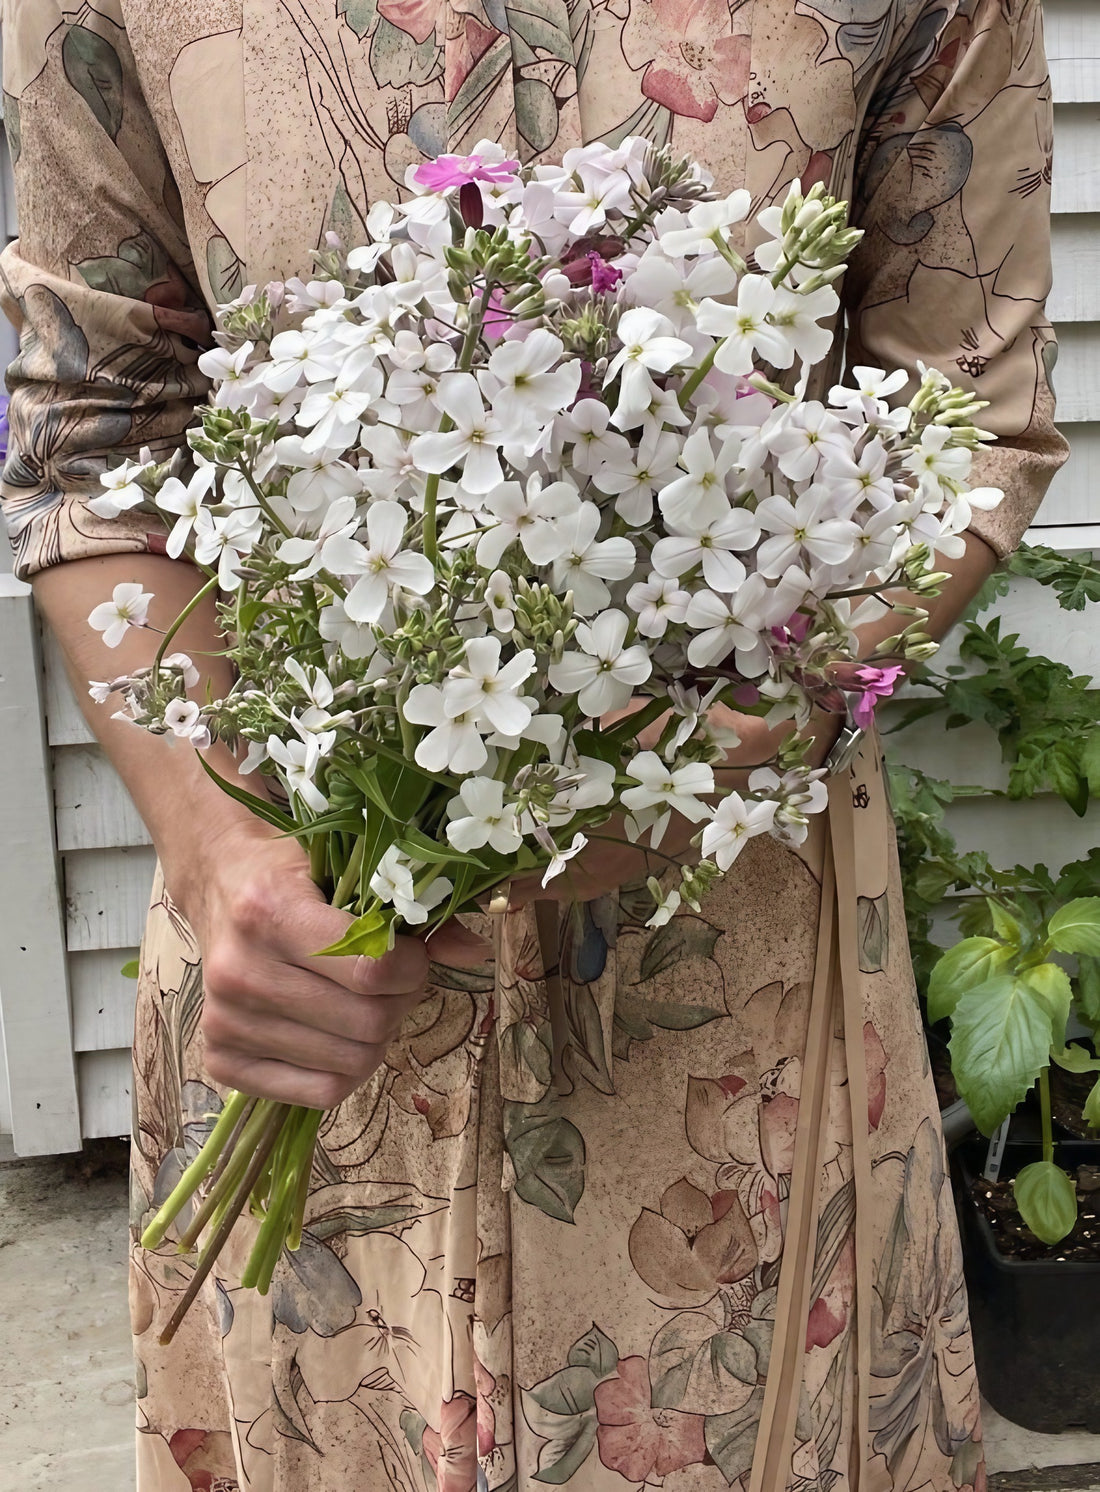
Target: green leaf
(131,969)
(360,15)
(1000,1042)
(397,60)
(731,1438)
(140,263)
(1076,1058)
(429,852)
(224,269)
(699,1369)
(569,1434)
(964,967)
(1088,991)
(259,806)
(1090,762)
(1052,985)
(1091,1110)
(547,1155)
(596,1351)
(93,67)
(1005,925)
(370,936)
(1047,1200)
(680,939)
(1075,928)
(570,1390)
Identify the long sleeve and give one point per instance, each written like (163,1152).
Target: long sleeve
(953,192)
(100,283)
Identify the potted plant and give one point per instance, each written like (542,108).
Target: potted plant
(1026,972)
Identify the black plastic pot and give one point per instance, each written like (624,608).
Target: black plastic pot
(1035,1321)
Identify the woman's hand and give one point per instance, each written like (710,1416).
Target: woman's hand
(603,866)
(278,1021)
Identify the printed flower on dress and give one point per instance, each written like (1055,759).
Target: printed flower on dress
(695,1244)
(206,1459)
(637,1440)
(692,62)
(452,1449)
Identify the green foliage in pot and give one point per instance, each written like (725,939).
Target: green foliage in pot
(1002,987)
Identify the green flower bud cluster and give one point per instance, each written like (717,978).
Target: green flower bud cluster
(671,180)
(504,260)
(536,788)
(587,331)
(696,881)
(229,434)
(544,621)
(247,321)
(938,402)
(428,643)
(816,234)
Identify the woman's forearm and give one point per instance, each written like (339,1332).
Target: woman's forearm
(183,809)
(967,575)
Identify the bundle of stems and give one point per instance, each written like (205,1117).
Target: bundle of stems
(259,1154)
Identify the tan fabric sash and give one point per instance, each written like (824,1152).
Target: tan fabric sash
(837,992)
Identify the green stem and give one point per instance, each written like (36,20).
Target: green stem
(234,1168)
(195,601)
(349,881)
(1045,1110)
(309,1143)
(197,1172)
(265,506)
(700,373)
(225,1226)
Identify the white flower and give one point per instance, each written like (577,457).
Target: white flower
(501,601)
(604,672)
(454,744)
(588,561)
(668,902)
(293,358)
(489,691)
(855,479)
(710,545)
(128,607)
(299,760)
(478,817)
(353,639)
(530,517)
(185,502)
(745,329)
(735,822)
(657,601)
(596,448)
(381,564)
(122,490)
(340,521)
(526,381)
(223,541)
(725,624)
(700,495)
(392,882)
(705,222)
(650,466)
(316,480)
(937,463)
(183,718)
(802,435)
(600,192)
(809,525)
(676,292)
(229,370)
(474,441)
(797,315)
(665,787)
(560,857)
(332,410)
(316,685)
(646,346)
(872,385)
(799,793)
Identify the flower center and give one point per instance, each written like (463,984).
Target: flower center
(694,55)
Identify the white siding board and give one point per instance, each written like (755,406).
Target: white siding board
(1077,375)
(1073,49)
(107,895)
(106,1081)
(103,999)
(65,724)
(1074,496)
(94,810)
(1075,250)
(1076,183)
(37,1033)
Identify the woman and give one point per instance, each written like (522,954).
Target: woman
(604,1219)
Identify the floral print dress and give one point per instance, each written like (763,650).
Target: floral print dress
(627,1207)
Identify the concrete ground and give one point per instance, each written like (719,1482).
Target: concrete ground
(66,1397)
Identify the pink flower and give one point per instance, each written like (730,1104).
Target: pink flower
(452,1449)
(455,170)
(692,61)
(417,18)
(637,1440)
(874,684)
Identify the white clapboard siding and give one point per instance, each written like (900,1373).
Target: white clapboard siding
(102,999)
(1076,184)
(1076,380)
(65,725)
(1075,249)
(1073,48)
(105,1080)
(94,810)
(1074,496)
(106,897)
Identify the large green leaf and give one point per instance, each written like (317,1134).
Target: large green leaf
(680,939)
(1047,1200)
(962,968)
(140,263)
(369,936)
(731,1438)
(547,1155)
(697,1368)
(1091,1110)
(1000,1042)
(1052,985)
(1088,991)
(596,1351)
(569,1434)
(1075,928)
(94,69)
(1090,762)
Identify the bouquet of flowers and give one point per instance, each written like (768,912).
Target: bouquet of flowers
(528,475)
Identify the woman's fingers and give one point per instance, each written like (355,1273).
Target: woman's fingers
(281,1081)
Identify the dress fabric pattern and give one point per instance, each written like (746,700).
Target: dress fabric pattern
(518,1271)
